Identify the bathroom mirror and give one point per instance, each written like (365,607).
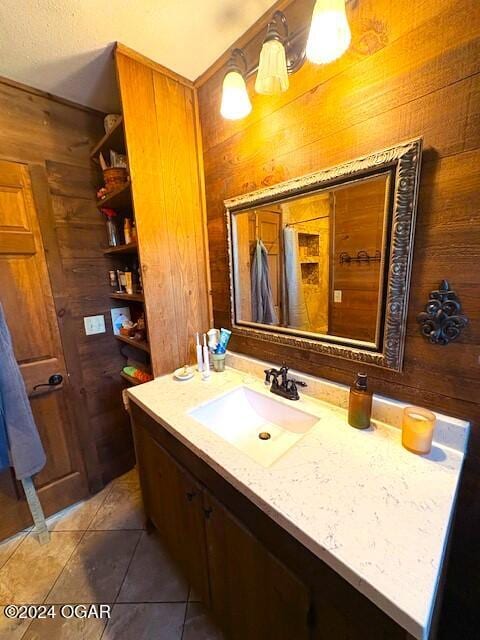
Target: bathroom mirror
(324,261)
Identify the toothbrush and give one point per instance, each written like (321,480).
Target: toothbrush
(199,354)
(206,358)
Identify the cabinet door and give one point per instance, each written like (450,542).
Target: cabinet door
(173,502)
(253,595)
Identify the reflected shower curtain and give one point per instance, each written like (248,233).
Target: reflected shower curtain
(294,307)
(262,299)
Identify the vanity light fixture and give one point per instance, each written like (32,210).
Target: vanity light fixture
(283,53)
(272,74)
(329,35)
(235,101)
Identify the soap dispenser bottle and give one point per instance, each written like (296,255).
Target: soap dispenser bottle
(360,403)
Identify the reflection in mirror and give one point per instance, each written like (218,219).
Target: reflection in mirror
(314,264)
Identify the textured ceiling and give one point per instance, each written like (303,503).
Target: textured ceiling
(64,46)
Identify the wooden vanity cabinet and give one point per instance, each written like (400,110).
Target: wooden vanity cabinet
(173,503)
(258,581)
(253,595)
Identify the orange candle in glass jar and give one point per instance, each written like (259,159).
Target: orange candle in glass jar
(417,429)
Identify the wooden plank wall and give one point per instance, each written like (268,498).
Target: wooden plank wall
(412,70)
(162,139)
(55,139)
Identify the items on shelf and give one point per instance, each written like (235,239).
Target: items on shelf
(114,177)
(127,231)
(112,275)
(110,121)
(112,230)
(138,374)
(128,280)
(362,256)
(133,330)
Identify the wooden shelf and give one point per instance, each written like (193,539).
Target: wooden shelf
(138,344)
(121,249)
(114,139)
(119,199)
(128,297)
(130,379)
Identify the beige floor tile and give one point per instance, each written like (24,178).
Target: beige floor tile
(97,569)
(152,575)
(122,509)
(131,477)
(65,629)
(7,547)
(79,516)
(146,622)
(11,629)
(31,571)
(198,624)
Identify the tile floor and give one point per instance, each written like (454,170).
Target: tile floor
(100,553)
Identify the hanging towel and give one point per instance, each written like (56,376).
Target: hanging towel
(294,307)
(17,426)
(263,309)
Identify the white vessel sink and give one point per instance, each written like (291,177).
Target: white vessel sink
(240,416)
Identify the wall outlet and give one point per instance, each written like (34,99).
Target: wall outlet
(94,324)
(337,295)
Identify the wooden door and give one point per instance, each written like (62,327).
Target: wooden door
(174,503)
(27,300)
(253,595)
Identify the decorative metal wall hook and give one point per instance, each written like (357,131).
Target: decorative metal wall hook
(442,320)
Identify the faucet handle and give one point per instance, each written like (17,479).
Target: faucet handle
(299,383)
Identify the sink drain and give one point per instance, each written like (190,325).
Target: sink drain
(264,435)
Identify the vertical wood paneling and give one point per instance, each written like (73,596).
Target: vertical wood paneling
(160,125)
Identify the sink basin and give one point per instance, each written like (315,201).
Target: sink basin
(259,425)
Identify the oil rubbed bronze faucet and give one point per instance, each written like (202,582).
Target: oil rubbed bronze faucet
(286,388)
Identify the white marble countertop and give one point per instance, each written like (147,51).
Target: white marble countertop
(375,513)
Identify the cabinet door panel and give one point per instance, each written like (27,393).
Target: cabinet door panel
(174,503)
(253,595)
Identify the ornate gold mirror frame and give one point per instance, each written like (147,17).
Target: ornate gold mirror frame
(403,162)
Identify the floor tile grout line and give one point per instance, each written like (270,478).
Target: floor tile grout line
(85,531)
(75,548)
(128,568)
(56,580)
(186,612)
(17,547)
(107,494)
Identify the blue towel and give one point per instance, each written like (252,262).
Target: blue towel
(17,425)
(263,309)
(4,457)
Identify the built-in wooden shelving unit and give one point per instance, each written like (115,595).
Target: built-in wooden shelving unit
(114,139)
(121,249)
(128,297)
(130,379)
(121,201)
(139,344)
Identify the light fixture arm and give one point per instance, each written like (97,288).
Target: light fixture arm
(234,65)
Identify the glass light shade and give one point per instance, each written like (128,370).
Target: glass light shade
(272,75)
(329,35)
(235,101)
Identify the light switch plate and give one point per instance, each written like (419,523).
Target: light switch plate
(94,324)
(337,295)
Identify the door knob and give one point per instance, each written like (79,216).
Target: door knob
(53,381)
